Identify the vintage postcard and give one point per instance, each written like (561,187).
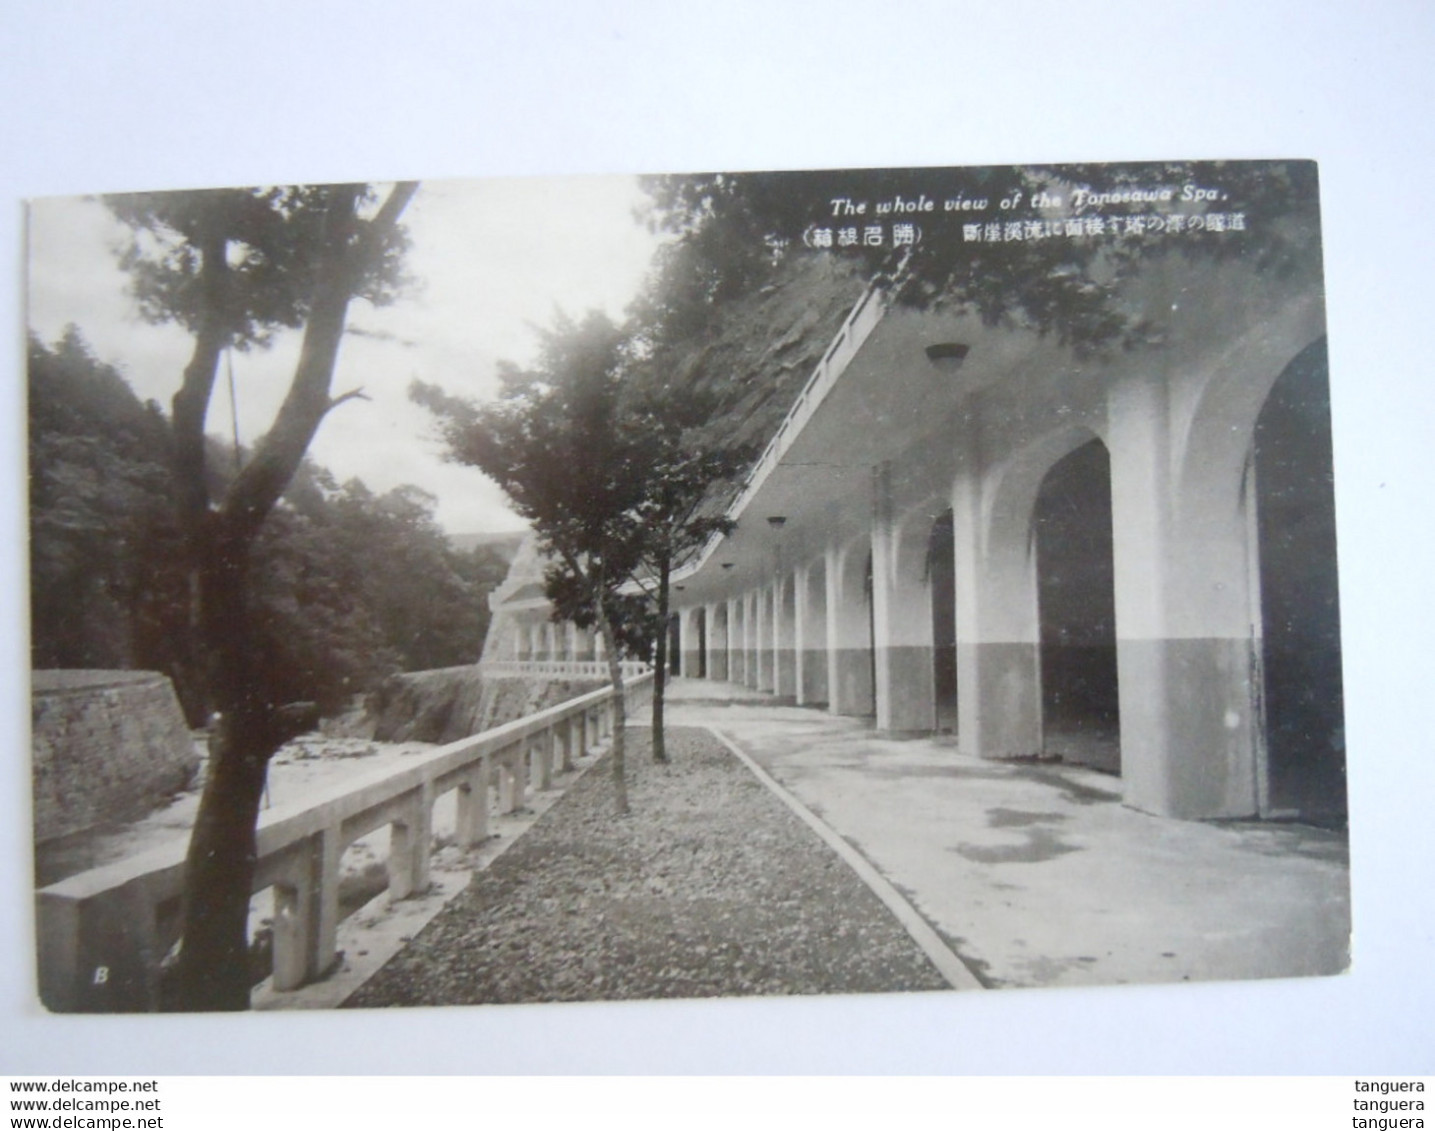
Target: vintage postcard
(806,582)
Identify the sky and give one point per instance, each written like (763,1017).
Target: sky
(493,261)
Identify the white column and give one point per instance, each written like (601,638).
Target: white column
(901,617)
(849,636)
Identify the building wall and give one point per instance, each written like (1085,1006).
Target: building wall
(1180,606)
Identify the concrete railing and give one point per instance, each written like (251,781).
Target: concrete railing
(102,934)
(861,320)
(576,669)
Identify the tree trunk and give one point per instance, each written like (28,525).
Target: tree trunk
(620,710)
(660,672)
(213,971)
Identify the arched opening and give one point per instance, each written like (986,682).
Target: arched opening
(1300,607)
(1077,604)
(942,575)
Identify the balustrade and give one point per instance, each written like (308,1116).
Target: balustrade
(103,933)
(576,669)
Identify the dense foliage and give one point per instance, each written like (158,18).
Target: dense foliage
(729,229)
(349,586)
(103,588)
(270,235)
(232,267)
(579,468)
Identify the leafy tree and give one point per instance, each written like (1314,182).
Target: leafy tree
(483,569)
(558,444)
(108,582)
(348,586)
(426,597)
(313,620)
(731,228)
(672,325)
(103,539)
(735,238)
(685,455)
(683,396)
(232,267)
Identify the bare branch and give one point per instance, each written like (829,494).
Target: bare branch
(259,486)
(191,402)
(393,207)
(351,395)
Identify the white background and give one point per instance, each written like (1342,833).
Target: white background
(97,97)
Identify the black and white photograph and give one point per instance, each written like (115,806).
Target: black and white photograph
(579,589)
(815,542)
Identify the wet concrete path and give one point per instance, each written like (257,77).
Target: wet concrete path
(1037,874)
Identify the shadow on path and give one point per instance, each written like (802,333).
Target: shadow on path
(1038,875)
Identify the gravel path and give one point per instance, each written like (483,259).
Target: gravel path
(710,887)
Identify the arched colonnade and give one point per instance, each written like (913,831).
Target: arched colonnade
(1064,559)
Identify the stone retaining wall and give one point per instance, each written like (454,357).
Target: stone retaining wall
(106,746)
(448,704)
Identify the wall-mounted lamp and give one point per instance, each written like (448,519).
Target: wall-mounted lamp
(727,565)
(777,521)
(948,356)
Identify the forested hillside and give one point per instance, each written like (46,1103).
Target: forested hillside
(758,350)
(351,586)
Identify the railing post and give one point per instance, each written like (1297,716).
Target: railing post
(520,786)
(293,922)
(324,944)
(100,948)
(504,769)
(410,841)
(511,779)
(473,806)
(540,760)
(99,953)
(306,912)
(567,734)
(57,928)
